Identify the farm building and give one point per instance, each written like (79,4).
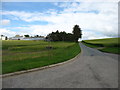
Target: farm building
(18,37)
(2,37)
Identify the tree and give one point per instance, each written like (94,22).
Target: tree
(60,36)
(17,35)
(37,36)
(6,38)
(63,36)
(77,33)
(26,35)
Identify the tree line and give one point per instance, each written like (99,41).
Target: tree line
(63,36)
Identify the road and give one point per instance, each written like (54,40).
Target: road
(92,69)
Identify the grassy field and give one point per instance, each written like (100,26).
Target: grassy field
(22,55)
(110,45)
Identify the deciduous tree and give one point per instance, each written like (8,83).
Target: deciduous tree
(77,32)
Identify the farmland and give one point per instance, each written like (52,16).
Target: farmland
(110,45)
(18,55)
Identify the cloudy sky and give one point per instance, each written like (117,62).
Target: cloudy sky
(96,19)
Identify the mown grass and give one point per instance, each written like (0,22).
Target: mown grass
(110,45)
(115,50)
(23,55)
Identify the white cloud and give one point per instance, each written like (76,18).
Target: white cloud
(92,35)
(6,32)
(99,17)
(5,22)
(25,16)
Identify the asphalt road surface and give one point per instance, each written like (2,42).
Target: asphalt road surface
(92,69)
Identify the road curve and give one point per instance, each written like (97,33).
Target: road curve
(92,69)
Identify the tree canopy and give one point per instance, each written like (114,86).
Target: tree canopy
(63,36)
(77,33)
(26,35)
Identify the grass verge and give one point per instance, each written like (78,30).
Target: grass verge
(109,45)
(114,50)
(23,57)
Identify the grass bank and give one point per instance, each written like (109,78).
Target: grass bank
(24,55)
(110,45)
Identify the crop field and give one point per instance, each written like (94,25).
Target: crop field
(110,45)
(20,55)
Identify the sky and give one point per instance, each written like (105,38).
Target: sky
(96,19)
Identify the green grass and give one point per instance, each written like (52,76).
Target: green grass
(114,50)
(23,55)
(110,45)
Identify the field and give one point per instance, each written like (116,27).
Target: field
(20,55)
(110,45)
